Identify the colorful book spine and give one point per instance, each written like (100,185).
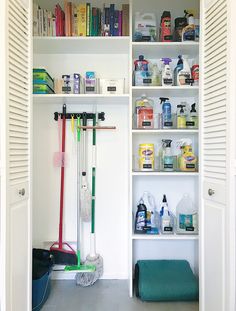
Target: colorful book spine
(112,19)
(82,19)
(116,23)
(88,12)
(107,22)
(120,24)
(75,21)
(94,22)
(125,19)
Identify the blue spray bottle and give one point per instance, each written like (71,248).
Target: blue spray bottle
(166,113)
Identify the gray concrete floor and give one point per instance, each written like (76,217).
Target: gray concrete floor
(104,295)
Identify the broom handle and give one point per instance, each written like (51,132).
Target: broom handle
(62,180)
(92,236)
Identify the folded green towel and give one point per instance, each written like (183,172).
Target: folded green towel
(166,280)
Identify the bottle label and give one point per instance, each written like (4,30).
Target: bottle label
(111,88)
(188,222)
(190,123)
(147,81)
(189,228)
(140,221)
(190,165)
(66,89)
(168,165)
(145,166)
(168,229)
(146,123)
(189,81)
(168,81)
(90,89)
(168,123)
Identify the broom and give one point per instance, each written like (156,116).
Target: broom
(93,259)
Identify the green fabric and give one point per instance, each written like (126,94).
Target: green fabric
(166,280)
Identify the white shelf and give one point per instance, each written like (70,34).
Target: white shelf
(163,131)
(81,98)
(164,237)
(155,173)
(178,91)
(165,49)
(81,45)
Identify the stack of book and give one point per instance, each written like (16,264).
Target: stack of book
(81,20)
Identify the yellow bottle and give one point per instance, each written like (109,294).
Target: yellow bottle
(187,160)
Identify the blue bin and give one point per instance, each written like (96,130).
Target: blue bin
(40,291)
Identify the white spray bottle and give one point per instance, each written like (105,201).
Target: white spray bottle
(167,75)
(184,75)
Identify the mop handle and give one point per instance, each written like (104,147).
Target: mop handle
(62,181)
(93,175)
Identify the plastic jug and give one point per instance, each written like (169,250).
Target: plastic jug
(187,216)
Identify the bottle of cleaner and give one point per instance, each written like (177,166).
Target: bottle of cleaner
(192,122)
(195,74)
(178,67)
(187,216)
(165,27)
(141,64)
(184,75)
(156,76)
(167,219)
(141,218)
(152,214)
(145,115)
(167,158)
(167,75)
(181,117)
(188,33)
(166,113)
(187,160)
(180,23)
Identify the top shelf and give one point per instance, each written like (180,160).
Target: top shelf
(167,49)
(81,45)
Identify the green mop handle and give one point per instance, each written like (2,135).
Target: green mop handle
(93,175)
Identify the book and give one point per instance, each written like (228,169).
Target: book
(107,22)
(120,24)
(94,22)
(116,23)
(82,19)
(88,12)
(125,19)
(74,21)
(112,19)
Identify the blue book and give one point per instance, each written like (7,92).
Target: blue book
(112,19)
(116,23)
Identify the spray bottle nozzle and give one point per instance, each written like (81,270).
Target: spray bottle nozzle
(163,99)
(164,198)
(166,60)
(166,143)
(181,108)
(193,108)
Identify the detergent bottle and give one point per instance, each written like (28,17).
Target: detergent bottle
(141,64)
(184,75)
(178,67)
(144,112)
(141,218)
(167,75)
(188,32)
(166,218)
(187,160)
(166,113)
(165,27)
(152,223)
(187,216)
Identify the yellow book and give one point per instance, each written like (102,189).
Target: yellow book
(82,19)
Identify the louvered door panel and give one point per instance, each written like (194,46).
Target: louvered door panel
(18,156)
(215,92)
(19,76)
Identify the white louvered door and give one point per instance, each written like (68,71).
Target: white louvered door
(215,253)
(17,164)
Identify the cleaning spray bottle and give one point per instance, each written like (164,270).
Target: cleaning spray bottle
(167,158)
(187,160)
(181,117)
(184,75)
(166,217)
(178,67)
(167,75)
(192,122)
(166,113)
(187,216)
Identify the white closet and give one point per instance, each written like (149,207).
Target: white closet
(29,138)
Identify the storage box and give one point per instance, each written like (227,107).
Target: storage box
(42,89)
(41,76)
(112,86)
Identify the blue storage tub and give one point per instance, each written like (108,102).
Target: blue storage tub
(40,291)
(41,285)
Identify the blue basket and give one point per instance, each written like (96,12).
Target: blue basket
(40,291)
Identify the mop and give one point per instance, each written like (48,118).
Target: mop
(79,268)
(87,279)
